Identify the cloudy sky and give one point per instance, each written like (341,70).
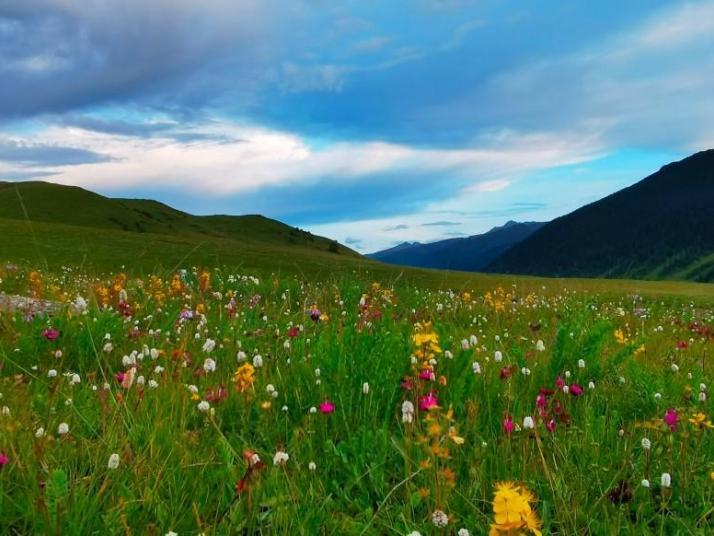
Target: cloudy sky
(369,121)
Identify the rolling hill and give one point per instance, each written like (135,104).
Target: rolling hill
(473,253)
(38,201)
(660,228)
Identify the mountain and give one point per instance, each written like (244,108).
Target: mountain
(471,253)
(39,201)
(660,228)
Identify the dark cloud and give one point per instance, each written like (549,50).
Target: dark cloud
(444,223)
(352,241)
(47,155)
(399,227)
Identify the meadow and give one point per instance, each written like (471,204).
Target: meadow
(237,401)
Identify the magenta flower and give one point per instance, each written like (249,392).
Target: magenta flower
(51,334)
(671,418)
(327,407)
(508,425)
(4,460)
(559,383)
(576,390)
(428,401)
(550,425)
(427,375)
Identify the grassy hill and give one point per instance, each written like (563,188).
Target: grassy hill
(660,228)
(69,205)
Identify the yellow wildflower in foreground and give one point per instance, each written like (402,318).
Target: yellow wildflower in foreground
(512,511)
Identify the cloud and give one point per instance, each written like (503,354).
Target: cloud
(39,154)
(399,227)
(443,223)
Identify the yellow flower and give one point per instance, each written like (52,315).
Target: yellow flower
(512,510)
(244,377)
(700,421)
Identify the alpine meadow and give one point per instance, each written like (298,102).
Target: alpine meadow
(442,267)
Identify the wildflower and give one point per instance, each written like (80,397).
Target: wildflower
(312,466)
(576,390)
(40,433)
(108,348)
(528,423)
(476,367)
(508,425)
(646,444)
(666,480)
(428,401)
(439,518)
(244,377)
(258,361)
(674,367)
(464,344)
(581,363)
(209,365)
(4,460)
(540,347)
(512,510)
(498,356)
(463,532)
(153,384)
(700,421)
(113,461)
(63,428)
(365,388)
(327,407)
(591,385)
(51,334)
(209,346)
(407,412)
(645,483)
(671,418)
(52,373)
(203,406)
(280,458)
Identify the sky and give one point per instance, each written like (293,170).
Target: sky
(367,121)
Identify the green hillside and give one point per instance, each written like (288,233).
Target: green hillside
(70,205)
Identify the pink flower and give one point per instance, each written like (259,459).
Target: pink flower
(505,373)
(671,418)
(508,425)
(550,425)
(576,390)
(428,401)
(427,375)
(541,400)
(4,460)
(327,407)
(559,383)
(51,334)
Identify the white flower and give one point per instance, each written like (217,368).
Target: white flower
(311,466)
(365,388)
(666,480)
(58,354)
(171,533)
(203,406)
(407,412)
(674,367)
(528,423)
(591,385)
(439,518)
(581,363)
(463,532)
(645,483)
(209,346)
(540,346)
(566,389)
(414,533)
(240,356)
(40,432)
(254,460)
(280,458)
(658,396)
(703,396)
(473,340)
(497,356)
(567,374)
(526,371)
(270,388)
(192,389)
(258,361)
(646,444)
(313,410)
(153,384)
(140,380)
(108,347)
(209,365)
(476,367)
(154,353)
(464,344)
(75,379)
(52,373)
(113,461)
(448,355)
(63,428)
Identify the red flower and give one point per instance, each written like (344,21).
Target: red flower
(51,334)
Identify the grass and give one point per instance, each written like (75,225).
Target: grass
(373,473)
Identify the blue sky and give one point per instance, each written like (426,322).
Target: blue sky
(370,122)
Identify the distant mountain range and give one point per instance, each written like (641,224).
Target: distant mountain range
(473,253)
(659,228)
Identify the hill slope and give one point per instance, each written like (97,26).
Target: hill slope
(472,253)
(660,228)
(69,205)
